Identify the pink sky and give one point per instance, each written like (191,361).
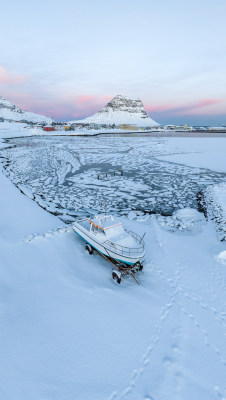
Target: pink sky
(14,86)
(11,79)
(200,107)
(67,59)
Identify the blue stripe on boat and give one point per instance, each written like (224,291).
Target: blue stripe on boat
(125,262)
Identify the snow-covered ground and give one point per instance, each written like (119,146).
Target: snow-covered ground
(17,129)
(67,331)
(208,153)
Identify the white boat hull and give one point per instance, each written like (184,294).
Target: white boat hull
(89,238)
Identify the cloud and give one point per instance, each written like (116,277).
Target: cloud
(66,107)
(11,79)
(199,107)
(85,99)
(86,105)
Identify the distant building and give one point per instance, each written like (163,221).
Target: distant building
(128,127)
(49,128)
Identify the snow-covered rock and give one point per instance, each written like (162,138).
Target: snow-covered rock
(9,111)
(121,110)
(214,202)
(222,257)
(186,219)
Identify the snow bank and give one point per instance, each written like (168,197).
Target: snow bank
(184,220)
(214,201)
(16,129)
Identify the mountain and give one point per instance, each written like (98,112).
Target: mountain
(121,110)
(9,111)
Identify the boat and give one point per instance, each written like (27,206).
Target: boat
(125,250)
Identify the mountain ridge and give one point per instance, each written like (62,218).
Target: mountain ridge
(10,112)
(120,110)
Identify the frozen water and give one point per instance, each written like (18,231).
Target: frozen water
(62,174)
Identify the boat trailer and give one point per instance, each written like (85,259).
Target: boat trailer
(120,269)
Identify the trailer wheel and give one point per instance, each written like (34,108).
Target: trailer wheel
(89,248)
(116,277)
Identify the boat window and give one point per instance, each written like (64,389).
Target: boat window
(100,231)
(96,229)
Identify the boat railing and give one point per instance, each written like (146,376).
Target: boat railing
(138,238)
(84,222)
(78,219)
(124,250)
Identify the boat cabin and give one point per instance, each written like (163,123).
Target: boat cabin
(102,224)
(106,228)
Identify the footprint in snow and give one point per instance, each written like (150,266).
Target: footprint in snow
(167,362)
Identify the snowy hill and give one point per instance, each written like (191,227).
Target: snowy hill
(121,110)
(9,111)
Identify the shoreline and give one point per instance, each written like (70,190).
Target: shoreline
(131,134)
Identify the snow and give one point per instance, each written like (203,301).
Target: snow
(103,221)
(196,152)
(9,111)
(222,256)
(68,331)
(120,110)
(18,129)
(220,194)
(185,219)
(214,201)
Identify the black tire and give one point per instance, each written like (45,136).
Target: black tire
(116,277)
(89,248)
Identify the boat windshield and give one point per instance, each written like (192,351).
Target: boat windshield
(95,229)
(113,231)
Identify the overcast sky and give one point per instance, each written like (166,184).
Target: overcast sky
(66,59)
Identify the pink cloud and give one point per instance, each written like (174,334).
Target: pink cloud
(159,108)
(85,98)
(208,102)
(85,105)
(70,106)
(78,107)
(199,107)
(8,78)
